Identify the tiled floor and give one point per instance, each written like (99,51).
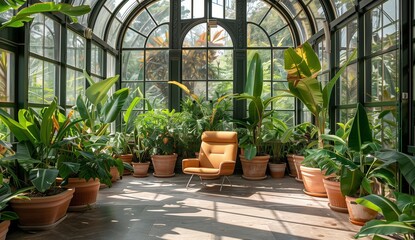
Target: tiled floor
(162,208)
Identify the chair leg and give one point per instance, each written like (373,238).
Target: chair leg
(187,186)
(201,181)
(223,180)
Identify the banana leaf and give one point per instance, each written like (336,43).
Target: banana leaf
(382,205)
(42,178)
(384,228)
(254,81)
(360,131)
(113,106)
(97,92)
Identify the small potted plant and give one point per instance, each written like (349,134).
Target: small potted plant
(273,129)
(158,130)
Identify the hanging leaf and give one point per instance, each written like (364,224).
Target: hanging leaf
(360,131)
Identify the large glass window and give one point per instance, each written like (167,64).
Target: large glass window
(348,96)
(382,65)
(44,59)
(269,34)
(145,54)
(75,80)
(207,61)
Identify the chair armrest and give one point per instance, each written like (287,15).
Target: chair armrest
(226,167)
(190,162)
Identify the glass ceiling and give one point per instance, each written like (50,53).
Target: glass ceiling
(307,15)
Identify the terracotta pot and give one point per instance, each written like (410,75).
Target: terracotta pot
(298,159)
(115,174)
(277,170)
(291,166)
(337,202)
(42,213)
(164,165)
(255,168)
(313,182)
(86,193)
(359,214)
(127,158)
(140,169)
(4,228)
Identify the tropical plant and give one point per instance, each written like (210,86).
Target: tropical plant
(273,129)
(26,13)
(156,128)
(303,66)
(252,141)
(39,135)
(354,161)
(399,215)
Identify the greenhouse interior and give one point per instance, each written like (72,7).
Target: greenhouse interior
(207,119)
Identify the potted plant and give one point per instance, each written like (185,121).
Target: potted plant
(86,146)
(158,128)
(254,160)
(303,66)
(398,215)
(39,135)
(273,129)
(357,167)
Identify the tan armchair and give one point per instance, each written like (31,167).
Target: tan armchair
(217,156)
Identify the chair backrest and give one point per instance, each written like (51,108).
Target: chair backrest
(216,147)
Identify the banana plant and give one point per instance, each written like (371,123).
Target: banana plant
(26,14)
(399,216)
(303,66)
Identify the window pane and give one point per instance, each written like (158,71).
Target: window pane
(7,64)
(157,93)
(196,37)
(157,65)
(348,87)
(143,23)
(186,9)
(113,33)
(220,64)
(52,40)
(36,34)
(101,22)
(217,8)
(133,65)
(194,64)
(257,37)
(198,9)
(219,37)
(42,77)
(343,5)
(96,60)
(282,38)
(133,40)
(160,11)
(159,38)
(256,10)
(230,9)
(75,50)
(273,22)
(75,86)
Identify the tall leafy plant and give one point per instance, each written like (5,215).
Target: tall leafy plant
(303,66)
(252,143)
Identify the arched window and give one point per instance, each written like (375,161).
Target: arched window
(269,34)
(145,54)
(207,61)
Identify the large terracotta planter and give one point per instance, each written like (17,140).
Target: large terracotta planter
(255,168)
(4,228)
(298,159)
(291,166)
(359,214)
(277,170)
(42,213)
(140,169)
(164,165)
(86,193)
(127,158)
(337,202)
(313,182)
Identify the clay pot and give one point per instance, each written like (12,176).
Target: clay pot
(359,214)
(291,166)
(42,213)
(255,168)
(313,182)
(115,174)
(4,228)
(127,158)
(140,169)
(298,159)
(337,202)
(164,165)
(86,193)
(277,170)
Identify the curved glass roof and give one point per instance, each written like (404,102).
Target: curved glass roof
(108,16)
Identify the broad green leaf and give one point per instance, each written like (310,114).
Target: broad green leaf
(308,91)
(384,228)
(301,62)
(66,169)
(97,93)
(254,81)
(350,180)
(382,205)
(360,131)
(46,128)
(250,151)
(112,108)
(16,128)
(43,179)
(8,215)
(406,164)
